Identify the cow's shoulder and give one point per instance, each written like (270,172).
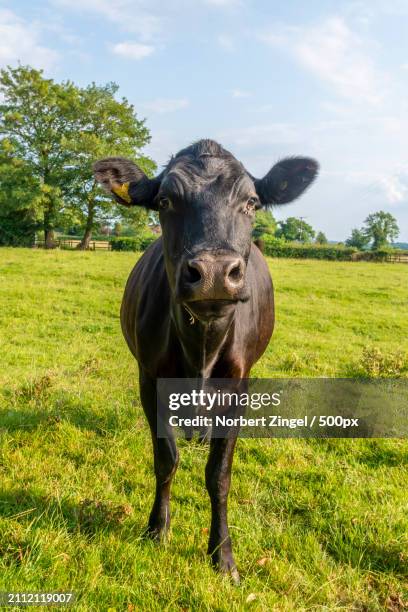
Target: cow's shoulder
(145,311)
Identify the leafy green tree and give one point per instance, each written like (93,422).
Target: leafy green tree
(381,228)
(295,229)
(17,228)
(19,196)
(321,238)
(57,131)
(264,224)
(106,127)
(358,239)
(35,116)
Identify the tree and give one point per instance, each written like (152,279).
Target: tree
(117,228)
(264,224)
(17,228)
(358,239)
(321,238)
(57,131)
(106,127)
(382,228)
(295,229)
(19,196)
(35,116)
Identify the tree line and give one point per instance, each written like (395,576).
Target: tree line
(379,230)
(50,135)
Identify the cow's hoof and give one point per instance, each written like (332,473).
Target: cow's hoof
(226,566)
(157,533)
(231,572)
(234,575)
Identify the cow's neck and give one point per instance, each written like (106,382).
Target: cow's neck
(201,342)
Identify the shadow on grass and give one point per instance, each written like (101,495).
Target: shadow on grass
(375,454)
(377,457)
(28,416)
(88,517)
(384,557)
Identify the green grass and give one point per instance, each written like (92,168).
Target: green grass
(317,524)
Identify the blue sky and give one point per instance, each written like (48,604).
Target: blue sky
(264,78)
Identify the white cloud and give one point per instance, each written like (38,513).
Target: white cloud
(132,50)
(240,93)
(130,15)
(20,41)
(395,188)
(165,105)
(226,42)
(334,54)
(375,186)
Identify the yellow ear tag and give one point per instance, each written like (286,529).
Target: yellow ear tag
(122,191)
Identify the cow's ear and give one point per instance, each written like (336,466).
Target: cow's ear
(124,181)
(287,180)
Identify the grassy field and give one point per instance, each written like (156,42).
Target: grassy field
(316,524)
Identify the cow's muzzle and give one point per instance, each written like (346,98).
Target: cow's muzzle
(213,276)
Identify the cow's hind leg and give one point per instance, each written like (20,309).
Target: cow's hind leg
(218,478)
(165,462)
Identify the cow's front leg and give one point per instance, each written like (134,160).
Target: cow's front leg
(218,479)
(165,462)
(165,466)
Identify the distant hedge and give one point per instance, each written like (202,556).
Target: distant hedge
(275,247)
(138,243)
(381,255)
(279,248)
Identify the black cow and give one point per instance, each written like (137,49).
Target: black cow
(199,302)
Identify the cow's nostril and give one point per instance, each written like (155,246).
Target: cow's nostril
(193,274)
(235,274)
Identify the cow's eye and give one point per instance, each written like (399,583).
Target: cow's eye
(164,203)
(250,205)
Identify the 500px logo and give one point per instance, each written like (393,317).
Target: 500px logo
(208,400)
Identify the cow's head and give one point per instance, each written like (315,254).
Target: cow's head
(206,202)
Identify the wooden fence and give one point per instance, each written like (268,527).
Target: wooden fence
(94,245)
(384,258)
(398,258)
